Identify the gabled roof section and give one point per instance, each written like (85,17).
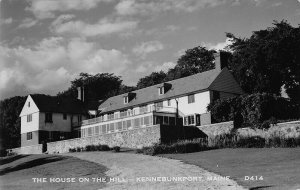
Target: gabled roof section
(55,104)
(186,85)
(225,82)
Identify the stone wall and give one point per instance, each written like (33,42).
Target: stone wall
(134,138)
(217,128)
(287,129)
(34,149)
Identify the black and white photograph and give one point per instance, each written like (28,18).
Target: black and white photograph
(149,94)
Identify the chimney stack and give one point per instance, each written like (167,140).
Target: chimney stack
(80,91)
(221,60)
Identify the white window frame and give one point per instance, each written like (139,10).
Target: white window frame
(29,136)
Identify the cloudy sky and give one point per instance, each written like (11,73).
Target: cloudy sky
(44,44)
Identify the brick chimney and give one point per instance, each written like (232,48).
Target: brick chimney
(221,60)
(80,91)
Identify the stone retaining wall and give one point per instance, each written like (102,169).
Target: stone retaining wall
(134,138)
(287,129)
(34,149)
(217,128)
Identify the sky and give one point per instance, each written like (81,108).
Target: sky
(45,44)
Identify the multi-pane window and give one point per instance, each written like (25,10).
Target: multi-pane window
(90,131)
(189,120)
(147,120)
(128,124)
(64,116)
(103,128)
(158,105)
(124,125)
(191,98)
(29,135)
(137,122)
(96,130)
(111,127)
(48,118)
(143,109)
(123,114)
(29,118)
(110,116)
(119,124)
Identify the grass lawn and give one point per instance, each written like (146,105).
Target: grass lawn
(280,167)
(16,172)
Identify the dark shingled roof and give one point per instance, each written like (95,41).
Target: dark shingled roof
(186,85)
(55,104)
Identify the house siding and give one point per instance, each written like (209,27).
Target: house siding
(33,141)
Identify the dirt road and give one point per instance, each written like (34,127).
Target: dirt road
(136,171)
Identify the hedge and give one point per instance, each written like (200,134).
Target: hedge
(258,110)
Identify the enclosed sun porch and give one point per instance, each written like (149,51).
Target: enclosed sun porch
(128,120)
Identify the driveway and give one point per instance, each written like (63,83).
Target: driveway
(136,171)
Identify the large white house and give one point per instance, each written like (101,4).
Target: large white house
(47,118)
(186,98)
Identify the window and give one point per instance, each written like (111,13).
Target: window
(48,118)
(28,104)
(191,98)
(124,125)
(128,124)
(159,104)
(119,124)
(96,130)
(111,127)
(110,116)
(29,118)
(103,128)
(169,102)
(137,122)
(123,113)
(90,131)
(189,120)
(143,109)
(29,135)
(160,90)
(65,116)
(147,120)
(125,99)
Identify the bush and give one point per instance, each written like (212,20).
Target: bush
(258,110)
(185,146)
(72,149)
(116,149)
(79,149)
(102,147)
(250,142)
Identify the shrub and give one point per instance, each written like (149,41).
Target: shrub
(78,149)
(116,149)
(102,147)
(250,142)
(72,149)
(254,109)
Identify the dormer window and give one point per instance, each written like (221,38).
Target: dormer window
(161,90)
(164,88)
(126,99)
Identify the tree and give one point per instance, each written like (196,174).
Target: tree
(195,60)
(10,122)
(97,87)
(152,79)
(268,60)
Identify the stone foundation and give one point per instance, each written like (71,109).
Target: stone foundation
(134,138)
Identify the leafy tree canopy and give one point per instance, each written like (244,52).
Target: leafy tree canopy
(268,60)
(195,60)
(99,86)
